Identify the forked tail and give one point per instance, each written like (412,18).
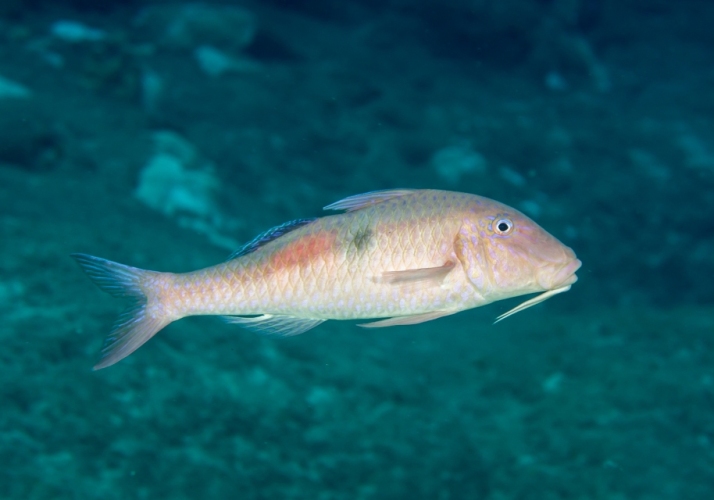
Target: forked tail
(139,322)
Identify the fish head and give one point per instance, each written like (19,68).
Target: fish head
(507,254)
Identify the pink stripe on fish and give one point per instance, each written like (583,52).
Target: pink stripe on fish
(309,248)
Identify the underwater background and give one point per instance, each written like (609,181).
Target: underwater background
(165,134)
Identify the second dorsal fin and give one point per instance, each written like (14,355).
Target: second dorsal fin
(358,201)
(267,236)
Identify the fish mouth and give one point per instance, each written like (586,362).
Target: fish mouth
(561,281)
(566,275)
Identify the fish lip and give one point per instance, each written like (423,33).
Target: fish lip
(566,275)
(563,276)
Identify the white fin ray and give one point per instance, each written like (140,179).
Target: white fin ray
(535,300)
(274,324)
(358,201)
(414,319)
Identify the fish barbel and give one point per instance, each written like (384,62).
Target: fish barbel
(405,255)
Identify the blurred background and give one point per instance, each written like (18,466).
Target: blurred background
(165,134)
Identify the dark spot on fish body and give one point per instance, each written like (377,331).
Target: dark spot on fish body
(362,238)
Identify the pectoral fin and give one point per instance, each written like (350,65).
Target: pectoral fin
(414,319)
(430,275)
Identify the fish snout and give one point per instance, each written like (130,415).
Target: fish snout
(563,276)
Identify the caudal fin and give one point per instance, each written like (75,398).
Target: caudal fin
(135,325)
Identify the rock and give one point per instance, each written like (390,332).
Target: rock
(215,62)
(173,180)
(453,162)
(75,32)
(12,90)
(29,140)
(187,26)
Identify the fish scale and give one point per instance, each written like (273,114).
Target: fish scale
(405,255)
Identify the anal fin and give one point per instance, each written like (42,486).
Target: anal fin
(414,319)
(273,324)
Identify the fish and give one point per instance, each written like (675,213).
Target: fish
(399,256)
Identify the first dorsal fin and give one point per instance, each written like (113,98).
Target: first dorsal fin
(268,236)
(358,201)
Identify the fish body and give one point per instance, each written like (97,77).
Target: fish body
(406,255)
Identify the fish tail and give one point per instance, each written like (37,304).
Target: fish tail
(139,322)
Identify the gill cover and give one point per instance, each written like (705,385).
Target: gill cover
(469,252)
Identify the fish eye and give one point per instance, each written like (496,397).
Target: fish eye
(503,226)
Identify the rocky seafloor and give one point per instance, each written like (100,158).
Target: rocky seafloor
(163,135)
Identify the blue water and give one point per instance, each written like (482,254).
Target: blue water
(164,135)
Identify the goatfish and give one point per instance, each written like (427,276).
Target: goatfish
(400,256)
